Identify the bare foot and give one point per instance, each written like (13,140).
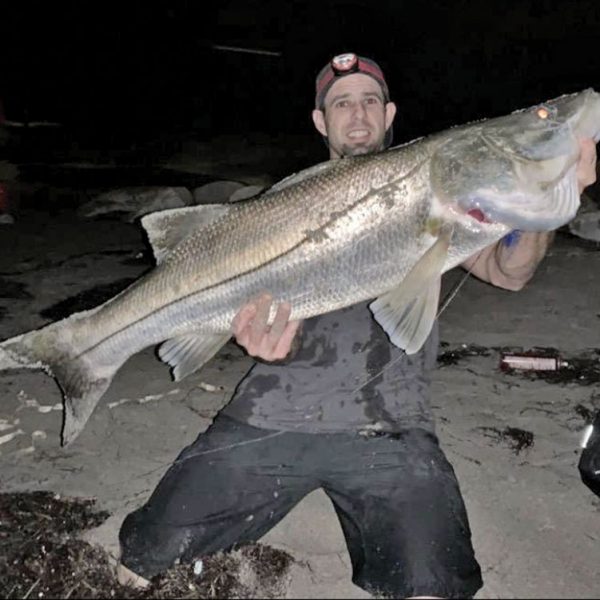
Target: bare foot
(126,576)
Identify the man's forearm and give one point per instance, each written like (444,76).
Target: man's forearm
(511,262)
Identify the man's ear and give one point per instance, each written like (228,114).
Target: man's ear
(390,113)
(318,118)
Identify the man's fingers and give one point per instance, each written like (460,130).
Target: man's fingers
(252,331)
(282,317)
(258,325)
(588,149)
(243,318)
(586,169)
(284,345)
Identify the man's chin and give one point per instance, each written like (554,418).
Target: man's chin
(359,149)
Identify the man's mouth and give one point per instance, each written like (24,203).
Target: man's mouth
(359,134)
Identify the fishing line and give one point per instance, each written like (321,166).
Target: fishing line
(449,297)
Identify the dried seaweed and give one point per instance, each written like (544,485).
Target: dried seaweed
(517,439)
(41,556)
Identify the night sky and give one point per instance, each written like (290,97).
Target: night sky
(147,68)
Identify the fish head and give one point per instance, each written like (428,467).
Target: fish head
(520,169)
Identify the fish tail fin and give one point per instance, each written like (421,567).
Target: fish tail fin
(82,389)
(81,383)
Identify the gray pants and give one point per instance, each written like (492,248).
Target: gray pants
(396,496)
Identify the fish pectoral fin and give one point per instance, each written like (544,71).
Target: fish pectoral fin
(187,353)
(407,312)
(166,228)
(407,321)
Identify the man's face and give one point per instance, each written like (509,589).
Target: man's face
(354,118)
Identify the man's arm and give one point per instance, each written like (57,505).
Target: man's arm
(511,262)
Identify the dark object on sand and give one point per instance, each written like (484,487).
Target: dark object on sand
(589,463)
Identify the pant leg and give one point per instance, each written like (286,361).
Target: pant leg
(404,519)
(229,487)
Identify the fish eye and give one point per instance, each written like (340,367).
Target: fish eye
(542,112)
(545,111)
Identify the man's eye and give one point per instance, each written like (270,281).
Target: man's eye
(342,104)
(372,100)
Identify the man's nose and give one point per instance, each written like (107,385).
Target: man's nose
(359,110)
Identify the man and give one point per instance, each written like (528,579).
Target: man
(338,408)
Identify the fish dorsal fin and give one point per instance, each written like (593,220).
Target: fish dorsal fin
(187,353)
(166,228)
(301,176)
(407,312)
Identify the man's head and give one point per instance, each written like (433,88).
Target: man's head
(352,106)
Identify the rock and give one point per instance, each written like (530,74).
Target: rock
(134,202)
(220,192)
(216,192)
(586,225)
(248,191)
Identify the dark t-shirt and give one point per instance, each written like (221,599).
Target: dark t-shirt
(335,382)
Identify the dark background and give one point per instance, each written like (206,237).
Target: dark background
(134,71)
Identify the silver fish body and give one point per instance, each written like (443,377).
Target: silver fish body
(384,226)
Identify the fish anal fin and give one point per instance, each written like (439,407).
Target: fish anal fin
(187,353)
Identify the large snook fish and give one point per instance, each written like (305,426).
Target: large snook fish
(383,227)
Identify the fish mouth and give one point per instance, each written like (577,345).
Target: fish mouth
(478,215)
(544,212)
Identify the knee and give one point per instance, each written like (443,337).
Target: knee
(148,549)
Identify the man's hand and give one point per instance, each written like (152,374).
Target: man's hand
(268,342)
(586,167)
